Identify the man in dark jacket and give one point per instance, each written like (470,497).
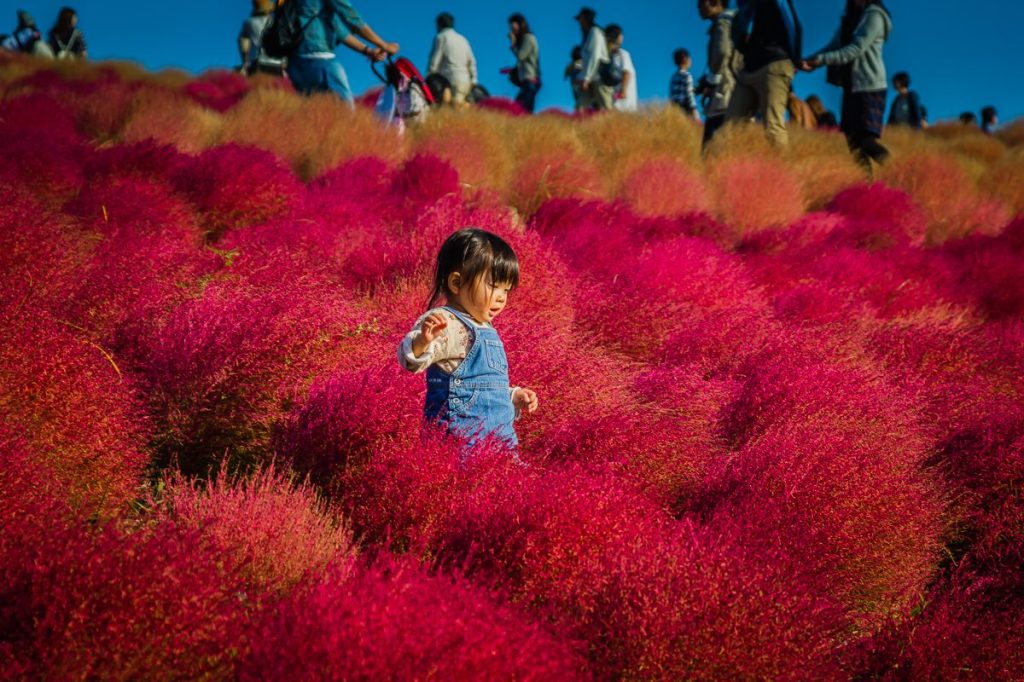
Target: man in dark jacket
(768,35)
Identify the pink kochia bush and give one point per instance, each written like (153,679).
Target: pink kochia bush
(393,620)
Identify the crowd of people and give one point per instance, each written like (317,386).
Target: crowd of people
(754,53)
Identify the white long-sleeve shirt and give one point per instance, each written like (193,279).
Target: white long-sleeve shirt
(452,57)
(630,101)
(595,51)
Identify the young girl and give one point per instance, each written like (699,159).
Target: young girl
(468,389)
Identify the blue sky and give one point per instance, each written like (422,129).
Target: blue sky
(960,55)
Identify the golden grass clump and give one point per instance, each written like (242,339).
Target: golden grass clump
(170,117)
(549,161)
(949,197)
(755,193)
(622,142)
(664,187)
(322,131)
(473,142)
(823,163)
(1005,181)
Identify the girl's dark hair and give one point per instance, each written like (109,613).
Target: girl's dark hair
(64,17)
(524,26)
(473,253)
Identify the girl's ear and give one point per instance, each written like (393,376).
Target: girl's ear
(454,282)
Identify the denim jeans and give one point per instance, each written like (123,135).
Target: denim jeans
(527,96)
(310,76)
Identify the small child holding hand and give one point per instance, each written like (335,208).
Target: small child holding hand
(468,389)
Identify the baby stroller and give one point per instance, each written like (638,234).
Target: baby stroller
(405,97)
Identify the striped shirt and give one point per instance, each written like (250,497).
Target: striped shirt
(681,91)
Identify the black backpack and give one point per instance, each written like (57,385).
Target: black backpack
(284,33)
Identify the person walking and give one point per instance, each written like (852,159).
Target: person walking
(681,91)
(625,93)
(594,94)
(855,55)
(452,57)
(572,74)
(65,38)
(250,40)
(327,24)
(769,36)
(906,108)
(723,63)
(527,69)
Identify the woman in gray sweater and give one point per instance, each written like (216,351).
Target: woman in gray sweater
(855,62)
(526,75)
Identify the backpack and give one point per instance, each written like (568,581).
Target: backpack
(284,32)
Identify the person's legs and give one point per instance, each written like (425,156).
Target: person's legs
(776,84)
(302,75)
(604,97)
(336,81)
(744,100)
(866,148)
(711,126)
(460,93)
(527,96)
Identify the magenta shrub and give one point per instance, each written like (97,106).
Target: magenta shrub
(394,620)
(234,187)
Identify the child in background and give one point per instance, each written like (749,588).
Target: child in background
(468,389)
(681,87)
(906,108)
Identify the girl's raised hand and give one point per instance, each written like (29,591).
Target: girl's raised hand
(525,400)
(433,326)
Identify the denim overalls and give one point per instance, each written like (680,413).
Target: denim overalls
(474,400)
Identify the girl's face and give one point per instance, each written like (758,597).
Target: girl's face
(483,299)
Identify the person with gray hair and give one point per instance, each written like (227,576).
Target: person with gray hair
(452,57)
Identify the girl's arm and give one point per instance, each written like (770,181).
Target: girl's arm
(437,338)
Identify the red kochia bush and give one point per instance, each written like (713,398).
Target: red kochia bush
(650,598)
(805,425)
(223,368)
(235,187)
(77,414)
(392,620)
(147,258)
(279,532)
(218,90)
(116,606)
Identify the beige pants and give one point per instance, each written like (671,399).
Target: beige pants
(765,91)
(460,93)
(597,96)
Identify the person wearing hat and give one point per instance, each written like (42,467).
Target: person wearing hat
(594,94)
(26,38)
(254,60)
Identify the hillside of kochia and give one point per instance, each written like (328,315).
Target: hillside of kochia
(781,424)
